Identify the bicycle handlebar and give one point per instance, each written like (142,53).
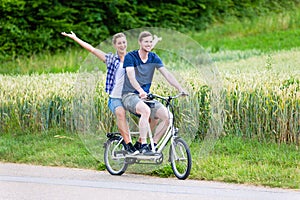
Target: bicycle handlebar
(151,96)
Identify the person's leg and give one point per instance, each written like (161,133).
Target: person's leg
(122,123)
(134,104)
(153,123)
(124,130)
(143,110)
(116,107)
(163,115)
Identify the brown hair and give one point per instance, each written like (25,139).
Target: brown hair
(116,36)
(144,34)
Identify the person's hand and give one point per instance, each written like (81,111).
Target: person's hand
(143,95)
(184,93)
(70,35)
(157,38)
(155,41)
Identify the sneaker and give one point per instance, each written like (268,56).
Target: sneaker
(145,150)
(137,145)
(130,149)
(149,145)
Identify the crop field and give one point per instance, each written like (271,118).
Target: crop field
(260,97)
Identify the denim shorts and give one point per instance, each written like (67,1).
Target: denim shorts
(130,101)
(113,103)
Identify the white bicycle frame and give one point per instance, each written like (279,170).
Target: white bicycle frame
(170,131)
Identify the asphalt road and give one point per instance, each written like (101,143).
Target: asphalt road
(20,181)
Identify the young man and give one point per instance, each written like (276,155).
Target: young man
(140,66)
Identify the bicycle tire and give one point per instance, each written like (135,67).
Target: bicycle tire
(180,158)
(113,158)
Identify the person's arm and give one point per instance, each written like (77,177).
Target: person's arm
(171,79)
(100,54)
(131,76)
(155,41)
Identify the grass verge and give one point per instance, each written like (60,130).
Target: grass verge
(52,148)
(248,161)
(233,159)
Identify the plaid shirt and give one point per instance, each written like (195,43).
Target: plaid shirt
(112,63)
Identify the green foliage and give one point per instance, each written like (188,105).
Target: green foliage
(265,33)
(29,27)
(46,62)
(52,148)
(240,160)
(34,26)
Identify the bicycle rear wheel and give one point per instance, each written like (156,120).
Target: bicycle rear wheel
(114,157)
(180,158)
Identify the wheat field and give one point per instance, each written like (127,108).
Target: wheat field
(260,97)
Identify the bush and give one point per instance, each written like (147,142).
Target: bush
(29,27)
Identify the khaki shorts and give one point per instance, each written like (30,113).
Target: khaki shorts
(130,101)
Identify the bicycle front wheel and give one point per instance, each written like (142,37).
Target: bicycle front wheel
(114,157)
(180,158)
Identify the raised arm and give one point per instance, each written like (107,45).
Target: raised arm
(155,41)
(100,54)
(171,79)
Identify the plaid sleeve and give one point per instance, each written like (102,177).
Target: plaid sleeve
(112,63)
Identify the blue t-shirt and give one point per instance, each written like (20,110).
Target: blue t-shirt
(143,71)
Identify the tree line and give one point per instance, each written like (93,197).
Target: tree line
(29,27)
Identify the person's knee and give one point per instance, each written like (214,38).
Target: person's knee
(120,113)
(163,114)
(143,110)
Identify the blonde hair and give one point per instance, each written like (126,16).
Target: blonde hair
(116,36)
(144,34)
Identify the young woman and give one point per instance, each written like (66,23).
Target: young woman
(114,79)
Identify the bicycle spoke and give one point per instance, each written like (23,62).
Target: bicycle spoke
(180,158)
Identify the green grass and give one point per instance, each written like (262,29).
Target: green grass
(233,159)
(240,160)
(265,42)
(52,148)
(47,62)
(266,33)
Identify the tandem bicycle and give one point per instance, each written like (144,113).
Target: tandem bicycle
(117,159)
